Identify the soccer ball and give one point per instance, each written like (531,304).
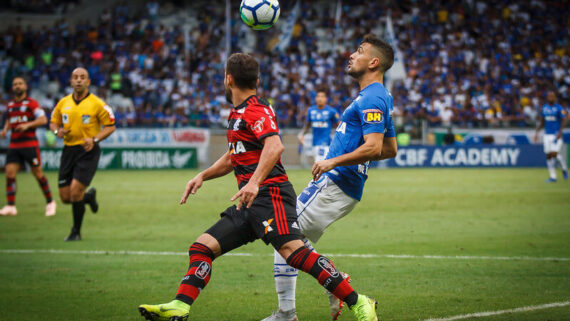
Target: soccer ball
(259,14)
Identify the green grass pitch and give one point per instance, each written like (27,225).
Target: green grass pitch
(446,212)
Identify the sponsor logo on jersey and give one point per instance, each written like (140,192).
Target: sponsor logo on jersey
(237,148)
(326,265)
(372,116)
(267,226)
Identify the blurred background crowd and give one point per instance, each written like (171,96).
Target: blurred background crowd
(473,64)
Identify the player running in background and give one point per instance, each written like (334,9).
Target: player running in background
(322,118)
(266,206)
(553,118)
(78,118)
(23,116)
(365,133)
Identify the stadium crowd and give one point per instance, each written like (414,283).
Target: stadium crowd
(469,63)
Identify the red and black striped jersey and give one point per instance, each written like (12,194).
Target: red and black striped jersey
(19,112)
(248,124)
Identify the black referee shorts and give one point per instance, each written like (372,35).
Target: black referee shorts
(272,217)
(79,164)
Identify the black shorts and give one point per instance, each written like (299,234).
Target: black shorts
(30,155)
(78,164)
(272,217)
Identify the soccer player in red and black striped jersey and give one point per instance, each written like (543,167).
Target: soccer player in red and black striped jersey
(23,115)
(266,202)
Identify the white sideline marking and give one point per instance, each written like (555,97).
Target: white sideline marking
(388,256)
(490,313)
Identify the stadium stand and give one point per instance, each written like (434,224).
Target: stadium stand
(472,64)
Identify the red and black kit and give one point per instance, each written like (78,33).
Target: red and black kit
(24,146)
(272,216)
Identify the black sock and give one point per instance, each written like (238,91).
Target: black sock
(78,212)
(88,198)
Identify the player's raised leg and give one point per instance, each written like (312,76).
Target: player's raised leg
(10,208)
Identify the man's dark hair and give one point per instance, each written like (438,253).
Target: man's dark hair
(244,69)
(386,51)
(19,77)
(322,89)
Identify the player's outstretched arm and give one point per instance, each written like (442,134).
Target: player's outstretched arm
(221,167)
(389,148)
(370,150)
(272,149)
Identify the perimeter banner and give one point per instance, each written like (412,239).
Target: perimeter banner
(468,156)
(132,158)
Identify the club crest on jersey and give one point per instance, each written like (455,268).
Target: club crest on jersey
(267,226)
(258,125)
(372,116)
(85,119)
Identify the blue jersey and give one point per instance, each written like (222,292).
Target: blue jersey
(553,115)
(322,122)
(370,112)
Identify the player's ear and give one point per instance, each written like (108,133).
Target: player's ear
(374,63)
(229,80)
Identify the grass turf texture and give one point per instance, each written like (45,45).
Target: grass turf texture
(445,212)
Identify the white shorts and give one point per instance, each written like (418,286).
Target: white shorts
(319,205)
(320,152)
(551,144)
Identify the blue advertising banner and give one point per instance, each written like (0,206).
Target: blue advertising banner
(468,156)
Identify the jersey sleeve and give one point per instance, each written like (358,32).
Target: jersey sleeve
(36,109)
(56,114)
(261,121)
(106,116)
(373,116)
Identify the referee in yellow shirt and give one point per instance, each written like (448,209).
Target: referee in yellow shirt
(82,120)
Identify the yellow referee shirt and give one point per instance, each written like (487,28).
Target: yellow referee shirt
(82,118)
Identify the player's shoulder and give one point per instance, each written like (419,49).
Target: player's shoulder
(65,99)
(255,104)
(374,96)
(31,102)
(94,99)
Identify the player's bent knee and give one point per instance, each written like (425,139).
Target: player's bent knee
(288,248)
(210,242)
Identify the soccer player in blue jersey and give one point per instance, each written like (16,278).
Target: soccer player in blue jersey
(365,133)
(321,118)
(553,118)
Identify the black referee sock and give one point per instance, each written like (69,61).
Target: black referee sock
(78,209)
(88,198)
